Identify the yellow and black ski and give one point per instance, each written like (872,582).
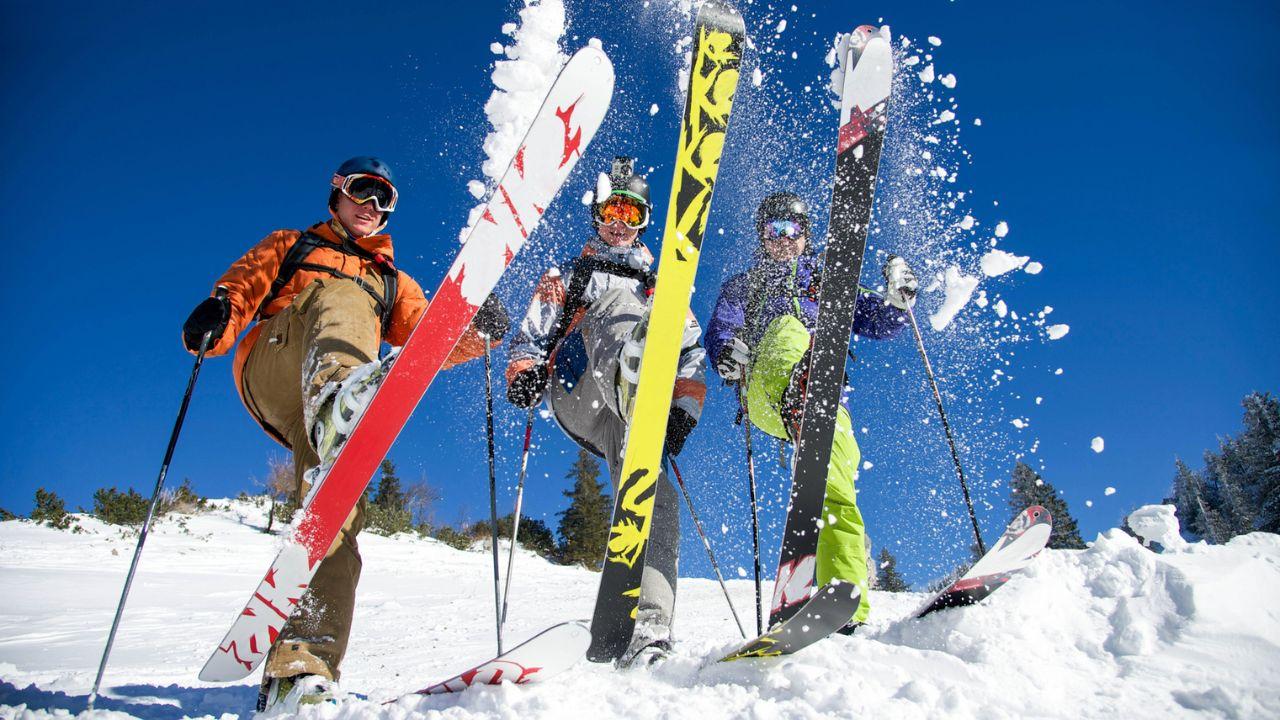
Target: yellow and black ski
(719,34)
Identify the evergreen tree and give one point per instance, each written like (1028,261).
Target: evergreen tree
(1260,454)
(387,512)
(1028,489)
(50,510)
(887,577)
(584,525)
(120,508)
(1195,517)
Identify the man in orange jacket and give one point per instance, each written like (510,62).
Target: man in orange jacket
(321,302)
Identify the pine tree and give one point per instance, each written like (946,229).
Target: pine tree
(1028,489)
(887,577)
(1195,517)
(584,525)
(387,513)
(1260,454)
(50,510)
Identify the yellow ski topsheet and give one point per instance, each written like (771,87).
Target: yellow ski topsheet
(712,83)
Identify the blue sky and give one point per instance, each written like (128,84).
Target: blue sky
(1131,148)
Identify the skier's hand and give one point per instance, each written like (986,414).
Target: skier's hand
(210,316)
(900,283)
(526,388)
(679,425)
(733,360)
(492,319)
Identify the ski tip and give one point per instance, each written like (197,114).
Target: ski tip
(721,14)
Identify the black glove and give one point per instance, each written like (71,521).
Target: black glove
(210,316)
(491,319)
(679,425)
(526,388)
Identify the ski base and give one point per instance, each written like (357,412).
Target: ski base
(1025,537)
(830,608)
(548,653)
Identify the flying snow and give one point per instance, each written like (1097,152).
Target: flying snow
(1097,444)
(999,262)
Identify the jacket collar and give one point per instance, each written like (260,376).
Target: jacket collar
(333,231)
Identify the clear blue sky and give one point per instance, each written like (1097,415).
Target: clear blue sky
(1131,147)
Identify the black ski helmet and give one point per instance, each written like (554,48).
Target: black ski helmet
(782,206)
(361,164)
(624,181)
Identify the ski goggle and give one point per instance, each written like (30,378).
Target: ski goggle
(782,229)
(620,209)
(362,188)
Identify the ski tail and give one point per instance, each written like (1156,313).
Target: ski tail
(867,61)
(719,34)
(1025,537)
(830,608)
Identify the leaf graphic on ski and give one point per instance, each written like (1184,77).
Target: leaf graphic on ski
(548,653)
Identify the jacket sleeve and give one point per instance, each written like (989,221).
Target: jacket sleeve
(531,343)
(691,382)
(247,282)
(729,316)
(876,319)
(411,303)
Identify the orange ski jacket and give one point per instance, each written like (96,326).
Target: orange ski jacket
(248,281)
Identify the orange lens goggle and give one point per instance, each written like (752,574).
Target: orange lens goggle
(617,209)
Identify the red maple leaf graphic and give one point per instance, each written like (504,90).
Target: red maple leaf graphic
(572,140)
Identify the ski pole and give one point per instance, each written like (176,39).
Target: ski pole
(946,427)
(515,519)
(745,418)
(706,543)
(493,490)
(151,511)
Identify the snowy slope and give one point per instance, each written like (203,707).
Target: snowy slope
(1115,630)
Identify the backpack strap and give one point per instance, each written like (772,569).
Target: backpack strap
(295,259)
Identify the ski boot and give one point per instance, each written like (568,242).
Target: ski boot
(339,406)
(286,696)
(645,655)
(629,370)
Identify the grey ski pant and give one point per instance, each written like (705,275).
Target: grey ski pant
(588,412)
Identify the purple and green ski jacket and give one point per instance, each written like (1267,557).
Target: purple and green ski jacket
(787,288)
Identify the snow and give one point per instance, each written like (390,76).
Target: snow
(1002,229)
(926,75)
(782,26)
(1034,268)
(998,262)
(935,41)
(1097,444)
(1000,308)
(653,109)
(520,83)
(1115,630)
(959,288)
(757,77)
(1157,523)
(948,81)
(1109,491)
(1057,332)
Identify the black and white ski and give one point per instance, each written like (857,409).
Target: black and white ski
(868,68)
(827,611)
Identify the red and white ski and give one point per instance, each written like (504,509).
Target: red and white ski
(1025,537)
(548,653)
(568,120)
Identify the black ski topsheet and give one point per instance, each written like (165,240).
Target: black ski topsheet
(857,162)
(1025,537)
(718,37)
(830,609)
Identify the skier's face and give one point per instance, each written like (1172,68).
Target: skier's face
(361,220)
(783,246)
(617,234)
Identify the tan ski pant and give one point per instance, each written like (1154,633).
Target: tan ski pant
(331,327)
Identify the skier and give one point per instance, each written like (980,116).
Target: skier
(584,327)
(321,302)
(759,337)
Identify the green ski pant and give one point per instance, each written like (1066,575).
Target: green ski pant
(842,549)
